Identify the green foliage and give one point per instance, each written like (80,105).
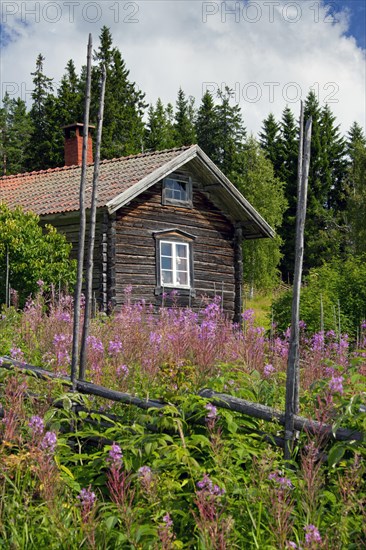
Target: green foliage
(184,132)
(339,288)
(159,132)
(255,179)
(15,125)
(32,254)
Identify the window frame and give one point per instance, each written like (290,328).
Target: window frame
(174,237)
(174,257)
(180,178)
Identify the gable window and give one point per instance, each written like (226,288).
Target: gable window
(174,264)
(177,189)
(174,261)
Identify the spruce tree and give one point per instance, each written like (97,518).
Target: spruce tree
(16,130)
(287,173)
(270,141)
(45,149)
(70,97)
(230,133)
(184,120)
(207,127)
(123,127)
(158,134)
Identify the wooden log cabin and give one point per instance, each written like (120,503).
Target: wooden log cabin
(167,220)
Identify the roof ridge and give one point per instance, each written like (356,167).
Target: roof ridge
(105,161)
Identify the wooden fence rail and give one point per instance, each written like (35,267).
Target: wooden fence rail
(242,406)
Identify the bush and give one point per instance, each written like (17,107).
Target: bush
(341,289)
(33,254)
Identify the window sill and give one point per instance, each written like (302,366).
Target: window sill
(181,204)
(180,291)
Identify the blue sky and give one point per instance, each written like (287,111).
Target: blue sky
(357,9)
(269,52)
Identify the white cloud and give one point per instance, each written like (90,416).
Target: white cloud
(279,46)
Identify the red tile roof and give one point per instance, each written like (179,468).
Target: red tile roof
(57,190)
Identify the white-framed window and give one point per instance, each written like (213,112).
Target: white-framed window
(174,257)
(177,189)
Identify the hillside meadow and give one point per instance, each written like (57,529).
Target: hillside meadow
(79,471)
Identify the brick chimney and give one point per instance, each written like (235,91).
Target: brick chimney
(74,144)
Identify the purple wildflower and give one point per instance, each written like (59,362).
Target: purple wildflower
(122,370)
(63,316)
(115,455)
(40,283)
(16,353)
(95,344)
(144,471)
(312,534)
(268,370)
(283,482)
(212,412)
(168,520)
(36,424)
(49,442)
(155,338)
(336,384)
(87,497)
(206,485)
(248,315)
(115,346)
(363,324)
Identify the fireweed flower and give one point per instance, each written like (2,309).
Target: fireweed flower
(36,424)
(248,315)
(207,486)
(49,443)
(144,471)
(283,482)
(268,370)
(115,455)
(168,520)
(95,344)
(16,353)
(122,370)
(40,282)
(212,411)
(336,384)
(87,497)
(312,534)
(115,346)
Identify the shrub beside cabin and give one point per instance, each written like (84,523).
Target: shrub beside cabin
(165,220)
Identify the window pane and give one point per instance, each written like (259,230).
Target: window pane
(166,263)
(166,277)
(166,249)
(176,190)
(182,278)
(181,250)
(182,264)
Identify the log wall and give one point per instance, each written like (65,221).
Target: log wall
(133,260)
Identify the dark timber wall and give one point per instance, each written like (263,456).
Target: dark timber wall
(68,224)
(132,252)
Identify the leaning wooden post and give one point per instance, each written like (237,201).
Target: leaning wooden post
(7,293)
(293,371)
(93,215)
(79,282)
(238,274)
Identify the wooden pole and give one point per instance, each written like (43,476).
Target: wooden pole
(93,216)
(79,282)
(222,400)
(7,293)
(293,371)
